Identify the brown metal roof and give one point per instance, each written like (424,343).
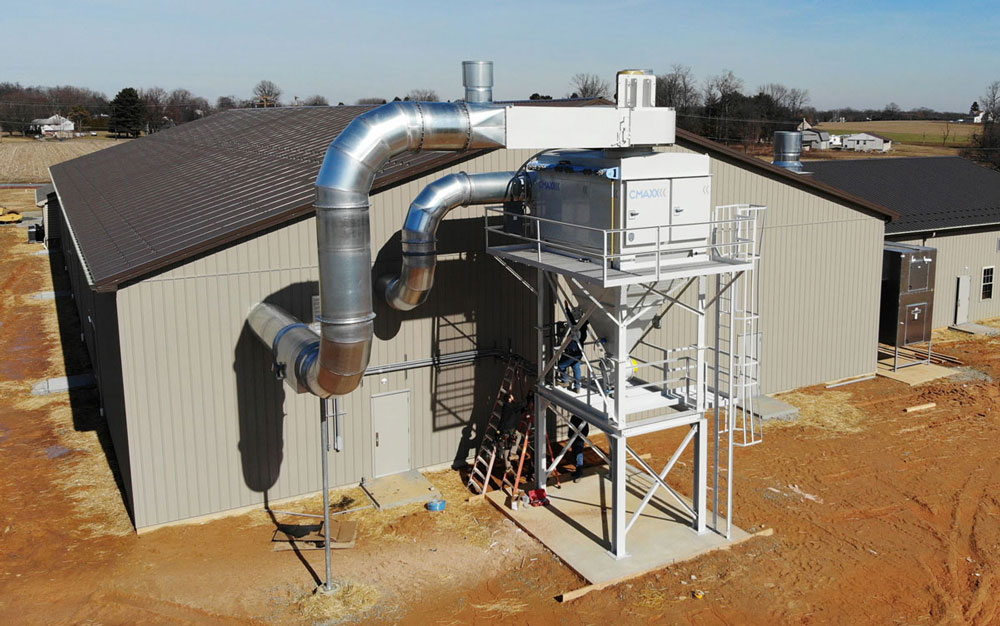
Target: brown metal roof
(147,204)
(803,181)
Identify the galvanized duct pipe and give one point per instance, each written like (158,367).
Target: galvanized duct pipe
(410,288)
(294,345)
(342,187)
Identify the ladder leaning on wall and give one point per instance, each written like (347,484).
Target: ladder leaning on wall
(489,446)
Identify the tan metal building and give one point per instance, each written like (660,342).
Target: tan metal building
(170,239)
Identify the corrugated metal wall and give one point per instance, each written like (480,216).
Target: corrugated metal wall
(962,254)
(211,430)
(210,427)
(98,317)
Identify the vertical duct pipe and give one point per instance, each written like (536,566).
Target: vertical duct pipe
(477,77)
(342,230)
(788,150)
(409,289)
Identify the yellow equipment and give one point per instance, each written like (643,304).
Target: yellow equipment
(9,217)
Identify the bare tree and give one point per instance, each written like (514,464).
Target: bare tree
(778,92)
(266,94)
(991,101)
(589,86)
(370,101)
(422,95)
(316,101)
(223,103)
(725,84)
(156,105)
(797,100)
(677,89)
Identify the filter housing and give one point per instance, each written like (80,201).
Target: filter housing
(647,197)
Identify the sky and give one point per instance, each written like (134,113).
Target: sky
(858,54)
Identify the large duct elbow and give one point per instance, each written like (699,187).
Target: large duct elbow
(342,226)
(410,288)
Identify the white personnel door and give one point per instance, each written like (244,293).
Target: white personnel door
(390,433)
(962,301)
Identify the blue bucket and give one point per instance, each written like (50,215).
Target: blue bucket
(436,505)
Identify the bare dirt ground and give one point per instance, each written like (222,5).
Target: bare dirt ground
(879,517)
(28,160)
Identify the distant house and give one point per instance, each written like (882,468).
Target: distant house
(51,125)
(867,142)
(805,125)
(814,139)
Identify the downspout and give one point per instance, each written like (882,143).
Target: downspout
(342,230)
(409,289)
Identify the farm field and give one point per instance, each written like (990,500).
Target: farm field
(28,160)
(909,132)
(871,515)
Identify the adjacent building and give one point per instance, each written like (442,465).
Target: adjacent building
(948,203)
(866,142)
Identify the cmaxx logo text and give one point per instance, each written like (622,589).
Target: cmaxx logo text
(644,194)
(550,185)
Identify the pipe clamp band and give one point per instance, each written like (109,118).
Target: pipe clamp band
(346,322)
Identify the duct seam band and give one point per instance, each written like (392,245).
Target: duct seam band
(347,321)
(281,333)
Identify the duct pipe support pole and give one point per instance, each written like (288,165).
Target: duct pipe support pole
(324,414)
(410,288)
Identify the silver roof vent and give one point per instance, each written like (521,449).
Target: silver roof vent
(788,150)
(477,76)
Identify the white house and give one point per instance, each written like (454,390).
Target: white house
(867,142)
(52,125)
(814,139)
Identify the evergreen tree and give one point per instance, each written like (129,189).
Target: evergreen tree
(128,113)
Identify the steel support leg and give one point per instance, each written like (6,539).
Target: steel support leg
(541,436)
(700,476)
(618,496)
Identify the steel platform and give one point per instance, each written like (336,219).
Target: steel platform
(591,271)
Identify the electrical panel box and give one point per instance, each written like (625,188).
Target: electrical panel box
(635,207)
(907,294)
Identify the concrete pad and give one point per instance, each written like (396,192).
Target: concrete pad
(52,295)
(914,374)
(576,526)
(398,489)
(976,329)
(63,383)
(768,408)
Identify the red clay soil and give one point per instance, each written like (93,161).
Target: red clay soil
(891,518)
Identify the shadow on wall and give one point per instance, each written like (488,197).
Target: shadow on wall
(261,396)
(85,402)
(466,308)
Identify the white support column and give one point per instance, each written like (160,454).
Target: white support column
(623,360)
(701,439)
(700,475)
(541,437)
(618,495)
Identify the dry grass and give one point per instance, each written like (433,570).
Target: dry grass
(460,516)
(19,200)
(504,607)
(650,597)
(908,131)
(830,411)
(348,601)
(28,161)
(947,335)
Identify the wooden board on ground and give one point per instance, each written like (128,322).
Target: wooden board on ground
(310,536)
